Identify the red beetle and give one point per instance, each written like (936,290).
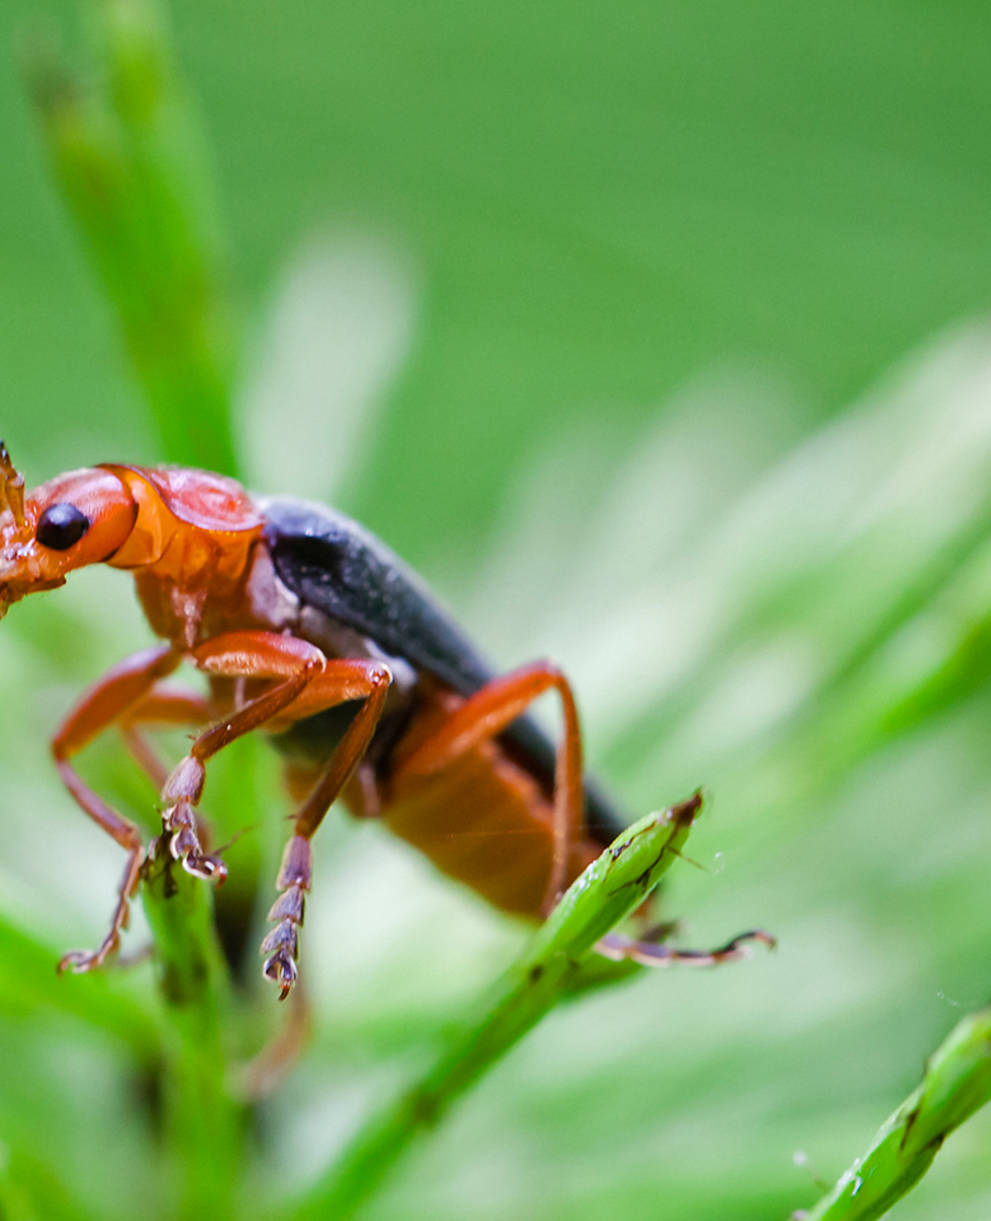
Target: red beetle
(310,628)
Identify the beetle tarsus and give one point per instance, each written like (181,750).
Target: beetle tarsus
(657,954)
(81,961)
(286,913)
(210,868)
(179,822)
(281,969)
(282,942)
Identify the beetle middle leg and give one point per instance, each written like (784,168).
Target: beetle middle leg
(161,708)
(305,682)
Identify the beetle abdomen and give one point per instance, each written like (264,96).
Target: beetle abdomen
(337,568)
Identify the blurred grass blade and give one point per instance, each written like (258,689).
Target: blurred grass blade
(338,331)
(957,1083)
(102,999)
(551,964)
(134,176)
(33,1189)
(205,1122)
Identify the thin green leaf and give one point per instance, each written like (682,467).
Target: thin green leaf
(135,178)
(957,1083)
(103,999)
(205,1121)
(552,964)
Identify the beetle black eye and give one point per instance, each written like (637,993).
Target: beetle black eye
(60,526)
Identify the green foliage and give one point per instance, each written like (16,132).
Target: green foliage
(546,364)
(129,162)
(956,1084)
(552,964)
(197,1024)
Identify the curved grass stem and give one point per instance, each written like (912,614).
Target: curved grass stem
(135,176)
(204,1120)
(550,966)
(957,1082)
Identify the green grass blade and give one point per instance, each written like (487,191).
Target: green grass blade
(34,1189)
(957,1083)
(551,965)
(134,176)
(205,1121)
(102,999)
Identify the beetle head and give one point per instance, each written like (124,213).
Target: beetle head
(79,518)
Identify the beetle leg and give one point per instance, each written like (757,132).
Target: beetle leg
(305,682)
(252,654)
(484,716)
(343,681)
(657,954)
(160,708)
(103,704)
(267,1070)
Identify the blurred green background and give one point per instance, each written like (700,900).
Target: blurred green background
(655,338)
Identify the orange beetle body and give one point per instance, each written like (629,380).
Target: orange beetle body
(412,730)
(310,628)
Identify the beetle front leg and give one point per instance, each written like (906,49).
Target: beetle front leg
(106,702)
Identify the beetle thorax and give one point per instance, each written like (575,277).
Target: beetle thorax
(190,549)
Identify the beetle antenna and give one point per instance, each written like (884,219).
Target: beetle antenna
(12,490)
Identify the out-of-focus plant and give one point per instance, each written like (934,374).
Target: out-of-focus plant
(797,622)
(134,171)
(956,1084)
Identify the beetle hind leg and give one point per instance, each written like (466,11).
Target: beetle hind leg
(658,954)
(488,713)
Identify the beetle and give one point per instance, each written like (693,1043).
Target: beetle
(310,628)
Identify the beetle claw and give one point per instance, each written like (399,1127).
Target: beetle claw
(77,961)
(81,961)
(185,846)
(281,969)
(211,868)
(282,941)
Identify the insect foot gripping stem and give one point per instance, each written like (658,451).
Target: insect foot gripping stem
(80,961)
(282,943)
(180,795)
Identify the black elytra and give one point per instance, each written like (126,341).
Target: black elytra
(333,564)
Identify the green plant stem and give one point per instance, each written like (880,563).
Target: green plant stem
(957,1083)
(550,966)
(134,174)
(205,1122)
